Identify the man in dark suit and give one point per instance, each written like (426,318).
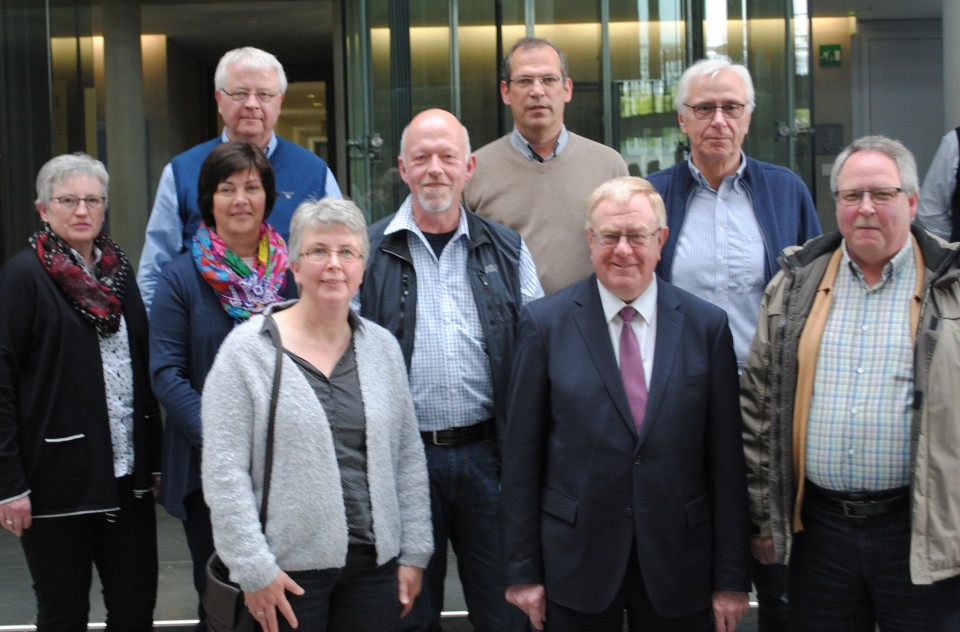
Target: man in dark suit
(618,497)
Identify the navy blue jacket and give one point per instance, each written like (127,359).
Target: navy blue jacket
(187,326)
(388,295)
(777,193)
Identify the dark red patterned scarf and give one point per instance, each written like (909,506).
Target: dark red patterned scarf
(100,300)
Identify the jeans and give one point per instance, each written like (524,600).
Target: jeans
(122,544)
(852,574)
(360,597)
(465,505)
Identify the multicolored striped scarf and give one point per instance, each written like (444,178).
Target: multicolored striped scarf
(242,292)
(100,299)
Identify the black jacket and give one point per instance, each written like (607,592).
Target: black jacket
(389,292)
(54,429)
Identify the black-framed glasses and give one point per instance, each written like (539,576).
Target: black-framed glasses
(71,202)
(241,96)
(547,81)
(322,255)
(636,240)
(879,196)
(704,111)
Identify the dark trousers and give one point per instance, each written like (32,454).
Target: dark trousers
(360,597)
(122,544)
(465,507)
(770,582)
(631,600)
(199,533)
(852,574)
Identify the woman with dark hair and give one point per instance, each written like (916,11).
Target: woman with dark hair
(79,427)
(236,265)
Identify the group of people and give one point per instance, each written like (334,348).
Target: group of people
(615,398)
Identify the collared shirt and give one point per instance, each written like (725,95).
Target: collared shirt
(858,436)
(935,208)
(523,146)
(644,328)
(118,385)
(342,402)
(450,376)
(720,254)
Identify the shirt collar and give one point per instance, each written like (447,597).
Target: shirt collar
(522,145)
(737,176)
(271,144)
(404,220)
(645,304)
(897,264)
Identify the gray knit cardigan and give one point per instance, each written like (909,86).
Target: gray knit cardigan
(306,523)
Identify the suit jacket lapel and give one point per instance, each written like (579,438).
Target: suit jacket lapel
(592,325)
(669,331)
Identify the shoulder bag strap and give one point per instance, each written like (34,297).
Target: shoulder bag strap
(955,200)
(274,395)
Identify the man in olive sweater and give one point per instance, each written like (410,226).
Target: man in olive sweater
(537,178)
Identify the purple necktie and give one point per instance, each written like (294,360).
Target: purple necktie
(631,369)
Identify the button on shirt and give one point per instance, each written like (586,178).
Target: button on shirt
(450,377)
(644,324)
(858,435)
(720,254)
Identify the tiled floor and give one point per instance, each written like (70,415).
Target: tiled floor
(176,600)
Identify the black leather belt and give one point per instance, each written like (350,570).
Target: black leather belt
(460,436)
(862,504)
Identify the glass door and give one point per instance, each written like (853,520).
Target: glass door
(772,38)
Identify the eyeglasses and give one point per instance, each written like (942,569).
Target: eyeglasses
(322,255)
(704,111)
(241,96)
(547,81)
(879,196)
(70,202)
(611,240)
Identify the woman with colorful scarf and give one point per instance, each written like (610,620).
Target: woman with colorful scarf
(79,427)
(236,265)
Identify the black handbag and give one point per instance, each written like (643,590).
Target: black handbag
(223,599)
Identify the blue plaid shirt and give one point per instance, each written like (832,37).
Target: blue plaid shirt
(858,437)
(450,371)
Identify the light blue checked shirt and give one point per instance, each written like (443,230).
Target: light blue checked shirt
(858,436)
(720,254)
(450,371)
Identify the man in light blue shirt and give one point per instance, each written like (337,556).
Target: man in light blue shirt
(450,286)
(249,89)
(729,218)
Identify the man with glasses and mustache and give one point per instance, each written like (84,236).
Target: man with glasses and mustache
(851,413)
(729,217)
(450,286)
(250,85)
(537,178)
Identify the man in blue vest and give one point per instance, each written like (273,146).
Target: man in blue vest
(249,88)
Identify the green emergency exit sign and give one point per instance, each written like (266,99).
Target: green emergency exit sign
(830,55)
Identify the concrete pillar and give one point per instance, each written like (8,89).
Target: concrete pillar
(126,132)
(951,72)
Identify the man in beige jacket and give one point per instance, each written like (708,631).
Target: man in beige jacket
(851,405)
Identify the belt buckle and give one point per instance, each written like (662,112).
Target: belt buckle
(435,438)
(847,504)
